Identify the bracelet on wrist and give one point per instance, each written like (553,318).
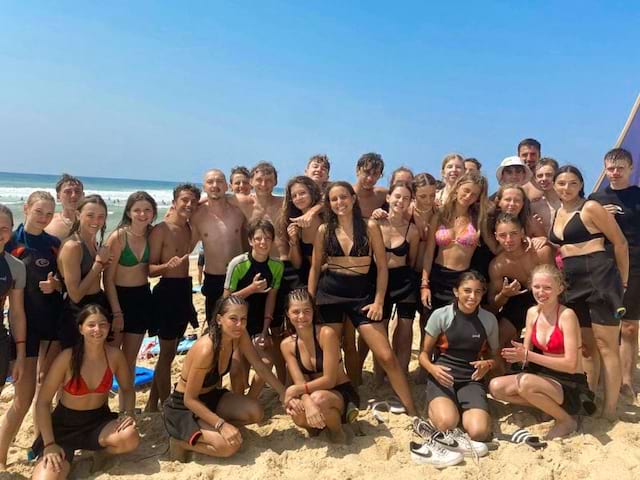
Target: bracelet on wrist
(18,342)
(46,445)
(306,388)
(219,424)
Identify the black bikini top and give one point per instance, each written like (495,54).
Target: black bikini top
(212,377)
(319,358)
(358,249)
(401,250)
(306,249)
(574,231)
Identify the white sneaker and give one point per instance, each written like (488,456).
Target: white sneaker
(458,441)
(431,453)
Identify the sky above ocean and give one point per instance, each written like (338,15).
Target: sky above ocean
(165,90)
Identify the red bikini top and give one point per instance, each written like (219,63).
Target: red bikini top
(77,387)
(555,344)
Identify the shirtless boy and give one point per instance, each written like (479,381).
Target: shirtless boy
(318,169)
(239,181)
(70,191)
(170,245)
(220,227)
(509,273)
(369,169)
(544,199)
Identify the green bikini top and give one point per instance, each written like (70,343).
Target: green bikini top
(128,258)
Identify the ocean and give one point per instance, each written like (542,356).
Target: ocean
(16,187)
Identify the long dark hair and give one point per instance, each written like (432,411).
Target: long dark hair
(139,196)
(289,210)
(77,351)
(97,199)
(215,330)
(299,295)
(360,237)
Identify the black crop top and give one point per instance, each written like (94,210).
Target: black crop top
(306,249)
(574,231)
(401,250)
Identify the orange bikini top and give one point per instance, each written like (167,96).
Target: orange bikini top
(77,387)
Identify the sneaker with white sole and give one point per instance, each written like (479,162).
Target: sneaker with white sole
(458,441)
(431,453)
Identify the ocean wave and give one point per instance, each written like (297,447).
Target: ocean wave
(17,195)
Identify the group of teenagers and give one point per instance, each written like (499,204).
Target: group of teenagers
(528,294)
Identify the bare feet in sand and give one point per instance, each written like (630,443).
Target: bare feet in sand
(337,436)
(628,393)
(562,429)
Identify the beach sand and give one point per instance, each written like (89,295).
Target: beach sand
(277,449)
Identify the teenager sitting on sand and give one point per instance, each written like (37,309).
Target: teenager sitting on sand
(553,379)
(200,416)
(321,395)
(82,419)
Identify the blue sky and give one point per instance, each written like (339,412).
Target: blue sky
(163,90)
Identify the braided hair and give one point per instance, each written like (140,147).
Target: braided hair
(215,330)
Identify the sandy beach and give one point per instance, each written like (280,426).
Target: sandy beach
(277,449)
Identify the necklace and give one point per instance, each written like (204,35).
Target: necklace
(134,233)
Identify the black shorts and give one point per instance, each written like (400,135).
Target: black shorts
(173,307)
(212,289)
(180,422)
(442,281)
(402,292)
(465,395)
(68,333)
(594,289)
(76,429)
(201,259)
(349,395)
(137,308)
(515,310)
(631,298)
(577,399)
(5,355)
(342,294)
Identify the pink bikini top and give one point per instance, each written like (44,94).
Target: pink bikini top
(468,238)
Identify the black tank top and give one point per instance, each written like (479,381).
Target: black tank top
(319,358)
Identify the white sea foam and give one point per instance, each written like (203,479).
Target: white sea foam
(17,195)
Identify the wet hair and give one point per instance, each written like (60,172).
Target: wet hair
(477,211)
(215,330)
(370,161)
(451,156)
(400,170)
(546,161)
(402,184)
(77,351)
(139,196)
(66,178)
(525,213)
(472,275)
(189,187)
(619,155)
(323,159)
(289,210)
(261,224)
(574,171)
(4,210)
(265,167)
(475,161)
(552,271)
(530,142)
(299,295)
(97,200)
(360,237)
(40,195)
(504,217)
(423,180)
(239,170)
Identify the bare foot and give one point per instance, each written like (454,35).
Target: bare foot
(313,432)
(177,450)
(610,416)
(627,392)
(562,429)
(338,436)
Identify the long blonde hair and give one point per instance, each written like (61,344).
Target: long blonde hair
(477,211)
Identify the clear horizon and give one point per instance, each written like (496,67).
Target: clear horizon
(156,91)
